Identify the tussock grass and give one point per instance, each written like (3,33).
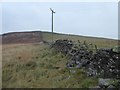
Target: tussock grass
(38,66)
(47,70)
(100,42)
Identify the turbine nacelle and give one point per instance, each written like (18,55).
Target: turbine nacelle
(52,10)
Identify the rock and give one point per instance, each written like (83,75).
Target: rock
(69,65)
(79,65)
(104,83)
(77,62)
(84,62)
(63,46)
(111,86)
(91,72)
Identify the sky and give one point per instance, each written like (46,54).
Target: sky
(97,19)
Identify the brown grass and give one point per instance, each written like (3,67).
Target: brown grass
(49,68)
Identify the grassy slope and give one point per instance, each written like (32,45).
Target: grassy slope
(48,68)
(100,42)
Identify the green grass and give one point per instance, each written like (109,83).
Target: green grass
(100,42)
(47,70)
(38,66)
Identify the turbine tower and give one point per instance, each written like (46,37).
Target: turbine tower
(53,12)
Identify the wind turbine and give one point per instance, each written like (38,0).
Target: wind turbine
(53,12)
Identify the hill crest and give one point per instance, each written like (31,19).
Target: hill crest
(21,37)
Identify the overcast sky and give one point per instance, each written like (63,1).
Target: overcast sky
(87,19)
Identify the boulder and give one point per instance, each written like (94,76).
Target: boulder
(91,72)
(104,83)
(111,86)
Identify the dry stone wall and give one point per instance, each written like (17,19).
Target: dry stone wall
(104,62)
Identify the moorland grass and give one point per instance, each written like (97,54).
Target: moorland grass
(39,66)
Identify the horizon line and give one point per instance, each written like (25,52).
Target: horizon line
(46,30)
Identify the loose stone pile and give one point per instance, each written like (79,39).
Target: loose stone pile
(63,46)
(102,62)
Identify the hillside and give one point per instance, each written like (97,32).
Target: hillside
(38,36)
(26,63)
(37,66)
(21,37)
